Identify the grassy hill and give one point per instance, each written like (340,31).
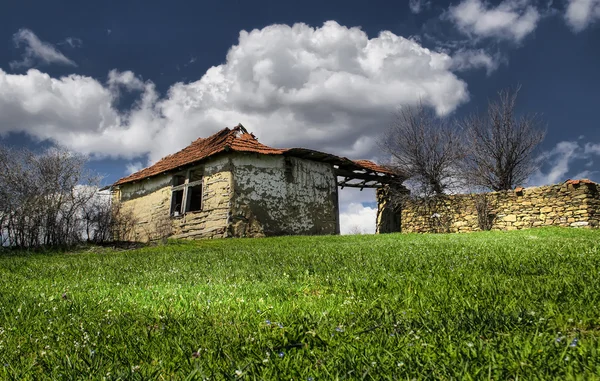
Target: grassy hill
(493,305)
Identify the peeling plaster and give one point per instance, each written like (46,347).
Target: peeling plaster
(287,195)
(245,195)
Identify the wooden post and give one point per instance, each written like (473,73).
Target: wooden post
(388,217)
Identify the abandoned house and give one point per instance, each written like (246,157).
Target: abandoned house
(230,185)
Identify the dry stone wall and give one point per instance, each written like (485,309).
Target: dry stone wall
(571,204)
(149,202)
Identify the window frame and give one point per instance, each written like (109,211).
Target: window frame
(185,187)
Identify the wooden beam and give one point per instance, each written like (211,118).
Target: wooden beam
(362,176)
(343,182)
(363,184)
(376,185)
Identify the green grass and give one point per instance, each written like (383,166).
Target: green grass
(494,305)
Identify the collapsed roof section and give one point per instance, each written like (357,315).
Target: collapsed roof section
(358,174)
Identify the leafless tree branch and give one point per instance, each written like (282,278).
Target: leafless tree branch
(425,149)
(501,146)
(50,199)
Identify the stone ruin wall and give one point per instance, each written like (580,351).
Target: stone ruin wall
(570,204)
(144,203)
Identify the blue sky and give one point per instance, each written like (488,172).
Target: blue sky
(129,82)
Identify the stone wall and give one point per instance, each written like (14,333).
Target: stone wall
(573,203)
(150,202)
(388,216)
(213,219)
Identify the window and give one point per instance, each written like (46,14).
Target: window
(177,202)
(186,193)
(194,202)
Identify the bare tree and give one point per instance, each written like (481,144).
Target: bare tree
(50,199)
(501,145)
(44,197)
(98,217)
(426,149)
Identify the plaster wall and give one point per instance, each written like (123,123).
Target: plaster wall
(148,201)
(277,195)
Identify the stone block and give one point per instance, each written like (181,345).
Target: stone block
(580,223)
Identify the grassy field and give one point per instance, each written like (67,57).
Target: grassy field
(494,305)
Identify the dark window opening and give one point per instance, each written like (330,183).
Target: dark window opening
(177,202)
(289,170)
(186,193)
(194,203)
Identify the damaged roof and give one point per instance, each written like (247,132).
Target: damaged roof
(238,139)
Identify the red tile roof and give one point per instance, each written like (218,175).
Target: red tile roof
(238,139)
(373,167)
(576,182)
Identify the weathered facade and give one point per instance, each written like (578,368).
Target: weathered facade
(574,203)
(230,185)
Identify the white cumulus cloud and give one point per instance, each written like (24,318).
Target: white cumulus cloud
(558,163)
(582,13)
(133,167)
(510,20)
(358,219)
(75,111)
(330,88)
(37,51)
(467,59)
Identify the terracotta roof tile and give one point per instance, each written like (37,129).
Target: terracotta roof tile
(239,140)
(373,167)
(580,181)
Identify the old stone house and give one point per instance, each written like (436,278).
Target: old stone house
(231,185)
